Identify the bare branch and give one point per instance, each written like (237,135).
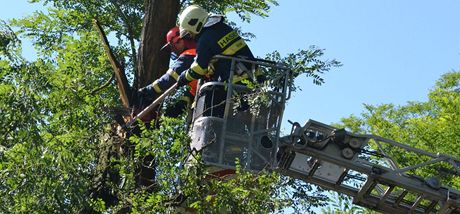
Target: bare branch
(122,82)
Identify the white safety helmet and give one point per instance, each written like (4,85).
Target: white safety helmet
(192,20)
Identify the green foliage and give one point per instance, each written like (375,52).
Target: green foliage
(243,8)
(65,21)
(50,131)
(51,125)
(305,62)
(433,126)
(300,196)
(342,204)
(115,14)
(245,192)
(9,44)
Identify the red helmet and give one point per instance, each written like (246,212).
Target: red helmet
(172,37)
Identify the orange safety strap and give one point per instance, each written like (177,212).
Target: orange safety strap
(189,52)
(193,84)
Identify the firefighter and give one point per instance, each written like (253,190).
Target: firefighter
(213,37)
(182,52)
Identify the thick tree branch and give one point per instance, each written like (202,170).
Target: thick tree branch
(122,82)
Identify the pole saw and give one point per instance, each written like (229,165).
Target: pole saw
(152,105)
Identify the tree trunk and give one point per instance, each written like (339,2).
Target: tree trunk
(160,16)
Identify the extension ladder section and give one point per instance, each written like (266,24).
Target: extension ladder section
(364,167)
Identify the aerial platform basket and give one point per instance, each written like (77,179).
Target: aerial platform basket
(234,128)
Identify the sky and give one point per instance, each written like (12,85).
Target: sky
(392,51)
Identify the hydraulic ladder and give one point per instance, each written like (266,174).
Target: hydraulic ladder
(362,166)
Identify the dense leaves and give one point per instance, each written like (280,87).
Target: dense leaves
(9,43)
(432,125)
(340,204)
(50,127)
(243,8)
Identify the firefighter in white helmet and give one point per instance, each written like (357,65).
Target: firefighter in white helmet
(213,37)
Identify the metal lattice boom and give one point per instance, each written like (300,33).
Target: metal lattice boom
(362,166)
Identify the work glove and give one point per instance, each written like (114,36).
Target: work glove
(147,92)
(145,96)
(182,80)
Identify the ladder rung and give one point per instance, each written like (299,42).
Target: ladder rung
(431,206)
(313,168)
(416,203)
(342,177)
(446,208)
(385,195)
(401,197)
(366,189)
(288,158)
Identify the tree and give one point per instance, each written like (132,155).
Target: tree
(433,126)
(64,150)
